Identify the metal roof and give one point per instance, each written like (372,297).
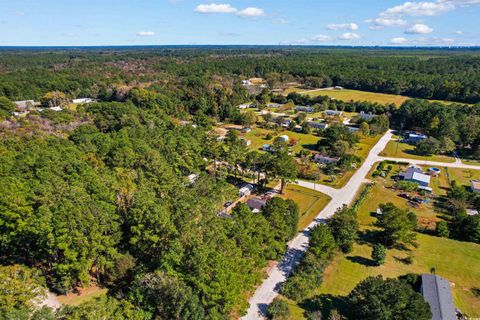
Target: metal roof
(436,291)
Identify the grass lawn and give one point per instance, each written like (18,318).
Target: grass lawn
(355,95)
(459,262)
(405,150)
(257,138)
(85,295)
(463,176)
(310,203)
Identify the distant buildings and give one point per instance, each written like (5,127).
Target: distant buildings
(284,138)
(333,113)
(55,109)
(367,116)
(274,105)
(415,137)
(323,159)
(305,109)
(437,292)
(414,174)
(24,105)
(317,125)
(83,100)
(246,190)
(245,106)
(352,129)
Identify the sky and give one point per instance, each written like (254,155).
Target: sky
(236,22)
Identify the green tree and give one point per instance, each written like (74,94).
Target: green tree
(6,108)
(441,229)
(375,298)
(379,253)
(398,225)
(344,228)
(278,310)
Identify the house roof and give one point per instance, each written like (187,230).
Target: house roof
(436,291)
(475,184)
(256,203)
(416,174)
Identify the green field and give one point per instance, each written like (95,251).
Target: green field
(357,95)
(310,203)
(404,150)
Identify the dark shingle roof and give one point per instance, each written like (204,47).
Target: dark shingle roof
(436,291)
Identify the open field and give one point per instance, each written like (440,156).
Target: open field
(310,203)
(405,150)
(463,176)
(258,138)
(357,95)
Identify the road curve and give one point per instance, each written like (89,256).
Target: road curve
(268,290)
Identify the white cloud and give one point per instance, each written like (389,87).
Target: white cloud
(381,23)
(419,28)
(251,12)
(418,9)
(349,36)
(320,38)
(398,41)
(215,8)
(458,32)
(343,26)
(145,33)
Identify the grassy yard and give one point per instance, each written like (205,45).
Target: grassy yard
(405,150)
(310,203)
(257,137)
(463,176)
(85,294)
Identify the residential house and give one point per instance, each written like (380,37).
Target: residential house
(274,105)
(317,125)
(323,159)
(367,116)
(338,88)
(256,204)
(352,129)
(83,100)
(475,186)
(55,109)
(245,106)
(333,113)
(437,293)
(415,174)
(415,137)
(246,190)
(284,138)
(305,109)
(24,105)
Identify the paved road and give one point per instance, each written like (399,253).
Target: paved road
(268,290)
(456,164)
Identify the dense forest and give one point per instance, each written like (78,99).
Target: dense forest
(428,74)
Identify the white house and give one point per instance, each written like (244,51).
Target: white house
(82,100)
(245,106)
(24,104)
(55,109)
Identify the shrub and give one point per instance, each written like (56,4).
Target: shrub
(379,253)
(442,229)
(278,310)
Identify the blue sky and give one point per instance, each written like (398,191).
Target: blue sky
(305,22)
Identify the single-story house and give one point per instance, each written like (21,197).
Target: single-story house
(415,174)
(317,125)
(475,186)
(305,109)
(416,137)
(256,204)
(338,88)
(274,105)
(56,108)
(24,104)
(367,116)
(352,129)
(245,106)
(322,159)
(334,113)
(286,123)
(438,294)
(284,138)
(83,100)
(246,190)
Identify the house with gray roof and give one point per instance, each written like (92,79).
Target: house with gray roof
(437,292)
(414,174)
